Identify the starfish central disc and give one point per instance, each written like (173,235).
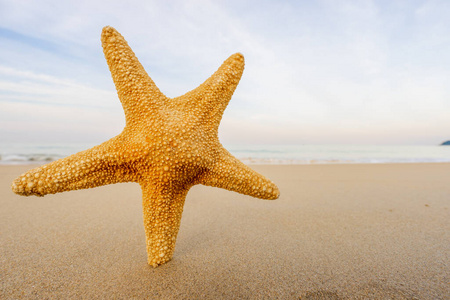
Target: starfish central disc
(167,146)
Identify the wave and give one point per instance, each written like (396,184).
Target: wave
(20,159)
(264,154)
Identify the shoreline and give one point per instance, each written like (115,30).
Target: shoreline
(259,154)
(337,231)
(315,163)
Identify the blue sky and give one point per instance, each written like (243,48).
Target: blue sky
(317,72)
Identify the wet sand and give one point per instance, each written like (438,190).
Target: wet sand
(379,231)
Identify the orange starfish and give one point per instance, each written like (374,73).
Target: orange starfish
(167,146)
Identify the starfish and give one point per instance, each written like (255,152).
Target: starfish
(167,146)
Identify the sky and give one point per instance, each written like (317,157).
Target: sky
(317,72)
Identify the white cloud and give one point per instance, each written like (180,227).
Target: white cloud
(364,71)
(42,88)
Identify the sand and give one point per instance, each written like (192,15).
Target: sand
(378,231)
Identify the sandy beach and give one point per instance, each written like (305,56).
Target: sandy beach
(379,231)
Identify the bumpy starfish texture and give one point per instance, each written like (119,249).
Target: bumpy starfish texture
(167,146)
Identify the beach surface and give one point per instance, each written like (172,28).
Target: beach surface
(374,231)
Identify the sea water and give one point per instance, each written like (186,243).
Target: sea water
(335,154)
(26,153)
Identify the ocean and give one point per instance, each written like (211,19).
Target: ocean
(34,153)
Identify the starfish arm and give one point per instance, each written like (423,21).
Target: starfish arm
(86,169)
(136,90)
(231,174)
(209,100)
(163,206)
